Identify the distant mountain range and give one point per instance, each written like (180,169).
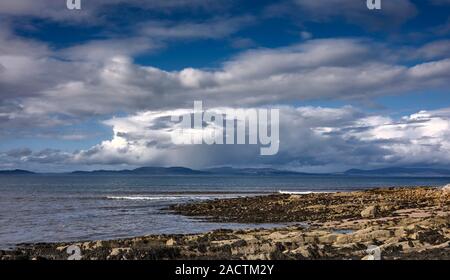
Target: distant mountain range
(163,171)
(253,171)
(16,172)
(400,171)
(188,171)
(145,171)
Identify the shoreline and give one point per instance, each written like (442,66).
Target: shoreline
(404,223)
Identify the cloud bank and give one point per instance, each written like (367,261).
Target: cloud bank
(311,138)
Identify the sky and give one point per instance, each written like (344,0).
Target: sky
(95,88)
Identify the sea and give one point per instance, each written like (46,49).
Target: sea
(66,208)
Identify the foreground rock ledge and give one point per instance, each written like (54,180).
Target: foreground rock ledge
(405,223)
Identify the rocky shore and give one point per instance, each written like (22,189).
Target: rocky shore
(317,207)
(395,223)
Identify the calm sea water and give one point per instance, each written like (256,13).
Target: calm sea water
(51,208)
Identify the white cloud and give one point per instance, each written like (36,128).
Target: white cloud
(79,87)
(315,69)
(433,50)
(311,137)
(208,29)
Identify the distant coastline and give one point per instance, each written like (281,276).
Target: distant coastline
(385,172)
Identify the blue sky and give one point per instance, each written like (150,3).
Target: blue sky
(376,80)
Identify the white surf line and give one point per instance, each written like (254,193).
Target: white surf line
(302,192)
(170,197)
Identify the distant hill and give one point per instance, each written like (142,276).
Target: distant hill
(400,171)
(188,171)
(386,172)
(253,171)
(144,171)
(16,172)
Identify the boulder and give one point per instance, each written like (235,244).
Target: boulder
(60,248)
(98,244)
(446,188)
(303,251)
(370,212)
(115,251)
(170,242)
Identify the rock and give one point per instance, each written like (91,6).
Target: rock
(412,227)
(258,257)
(86,245)
(294,197)
(343,239)
(414,236)
(362,236)
(117,251)
(98,244)
(400,232)
(170,242)
(304,252)
(313,207)
(380,234)
(405,245)
(446,188)
(329,238)
(387,208)
(61,248)
(370,212)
